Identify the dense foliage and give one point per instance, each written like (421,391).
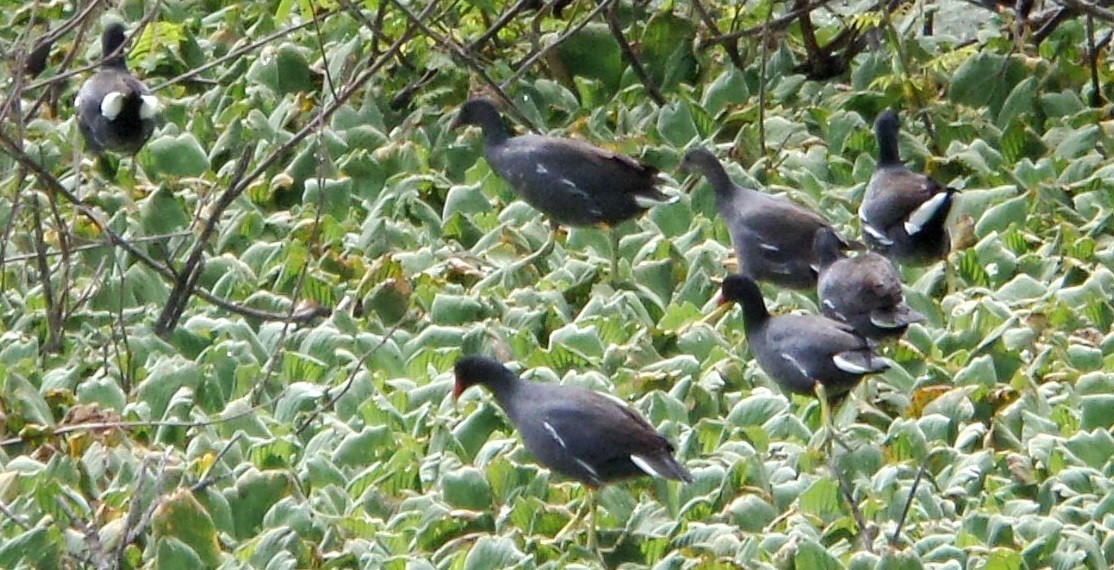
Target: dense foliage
(235,350)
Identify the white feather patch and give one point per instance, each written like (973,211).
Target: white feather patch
(848,366)
(768,247)
(877,235)
(645,466)
(924,213)
(588,468)
(553,432)
(648,202)
(796,363)
(618,401)
(112,104)
(889,324)
(149,107)
(541,169)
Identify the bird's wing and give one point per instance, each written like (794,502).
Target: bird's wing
(893,194)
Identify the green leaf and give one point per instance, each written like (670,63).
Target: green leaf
(180,156)
(182,518)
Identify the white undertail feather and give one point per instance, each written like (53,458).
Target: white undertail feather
(647,202)
(112,104)
(844,364)
(149,107)
(924,213)
(645,466)
(886,323)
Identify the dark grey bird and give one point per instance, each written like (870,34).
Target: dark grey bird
(863,291)
(570,181)
(772,235)
(904,213)
(115,111)
(802,352)
(584,435)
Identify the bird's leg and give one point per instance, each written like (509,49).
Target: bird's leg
(592,513)
(826,423)
(614,233)
(506,271)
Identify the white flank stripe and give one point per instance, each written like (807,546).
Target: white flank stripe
(541,169)
(924,213)
(881,237)
(848,366)
(587,467)
(645,466)
(768,247)
(796,363)
(553,433)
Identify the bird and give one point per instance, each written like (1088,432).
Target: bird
(904,213)
(115,110)
(570,181)
(804,354)
(588,436)
(863,291)
(772,235)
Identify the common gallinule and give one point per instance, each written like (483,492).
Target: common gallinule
(804,354)
(570,181)
(772,236)
(581,434)
(904,213)
(863,291)
(115,111)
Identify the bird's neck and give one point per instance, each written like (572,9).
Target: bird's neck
(495,133)
(504,389)
(887,149)
(719,180)
(755,315)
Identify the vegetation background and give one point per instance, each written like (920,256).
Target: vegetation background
(233,350)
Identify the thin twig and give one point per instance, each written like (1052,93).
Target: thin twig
(93,544)
(775,24)
(731,48)
(461,55)
(13,517)
(351,378)
(625,48)
(1098,12)
(909,503)
(533,58)
(856,513)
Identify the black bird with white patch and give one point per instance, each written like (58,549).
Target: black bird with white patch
(585,435)
(570,181)
(863,291)
(772,235)
(116,112)
(588,436)
(904,213)
(800,352)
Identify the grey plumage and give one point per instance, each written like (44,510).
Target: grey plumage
(863,291)
(590,437)
(800,351)
(772,236)
(115,111)
(571,181)
(904,213)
